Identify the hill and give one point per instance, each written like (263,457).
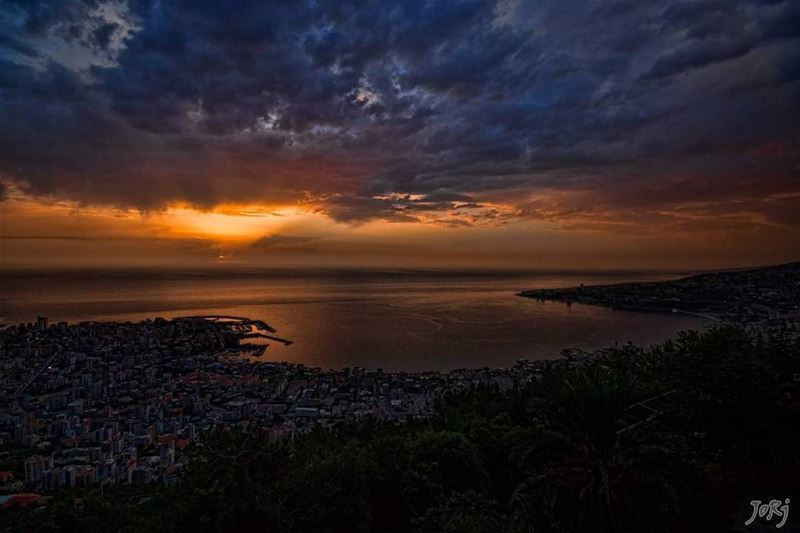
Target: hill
(762,295)
(677,437)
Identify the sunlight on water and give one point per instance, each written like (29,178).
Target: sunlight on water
(394,322)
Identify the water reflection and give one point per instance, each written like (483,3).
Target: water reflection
(394,322)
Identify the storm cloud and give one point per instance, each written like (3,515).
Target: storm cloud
(444,112)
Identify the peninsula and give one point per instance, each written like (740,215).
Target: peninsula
(161,425)
(760,296)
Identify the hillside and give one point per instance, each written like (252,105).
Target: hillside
(677,437)
(762,295)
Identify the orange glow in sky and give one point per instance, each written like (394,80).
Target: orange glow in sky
(40,232)
(228,223)
(462,134)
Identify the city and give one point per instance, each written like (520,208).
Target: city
(400,266)
(110,403)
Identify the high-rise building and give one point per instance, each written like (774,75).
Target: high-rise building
(29,423)
(75,408)
(167,453)
(35,465)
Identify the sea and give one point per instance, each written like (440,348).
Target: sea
(397,320)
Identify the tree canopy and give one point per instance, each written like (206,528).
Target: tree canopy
(675,437)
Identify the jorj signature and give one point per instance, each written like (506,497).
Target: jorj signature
(769,510)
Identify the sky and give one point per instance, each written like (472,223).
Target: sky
(517,133)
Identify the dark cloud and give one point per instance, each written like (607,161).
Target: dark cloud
(38,17)
(696,55)
(353,209)
(407,111)
(282,243)
(13,44)
(102,34)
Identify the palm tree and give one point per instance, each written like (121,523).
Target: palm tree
(584,469)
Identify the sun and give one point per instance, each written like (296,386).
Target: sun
(227,223)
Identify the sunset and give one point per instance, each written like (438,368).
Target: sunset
(399,265)
(519,128)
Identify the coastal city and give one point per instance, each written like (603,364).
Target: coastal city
(91,403)
(399,266)
(118,403)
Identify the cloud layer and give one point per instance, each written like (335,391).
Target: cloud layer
(606,114)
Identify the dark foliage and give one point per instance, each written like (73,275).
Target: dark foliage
(678,437)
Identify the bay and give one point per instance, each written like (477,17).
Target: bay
(395,320)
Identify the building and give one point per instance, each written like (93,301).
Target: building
(35,465)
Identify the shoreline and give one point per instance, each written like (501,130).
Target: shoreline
(758,296)
(236,353)
(655,310)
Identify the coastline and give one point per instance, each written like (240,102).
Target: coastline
(169,381)
(757,296)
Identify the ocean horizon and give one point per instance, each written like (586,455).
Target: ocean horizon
(394,319)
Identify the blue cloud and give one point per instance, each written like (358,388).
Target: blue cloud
(448,100)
